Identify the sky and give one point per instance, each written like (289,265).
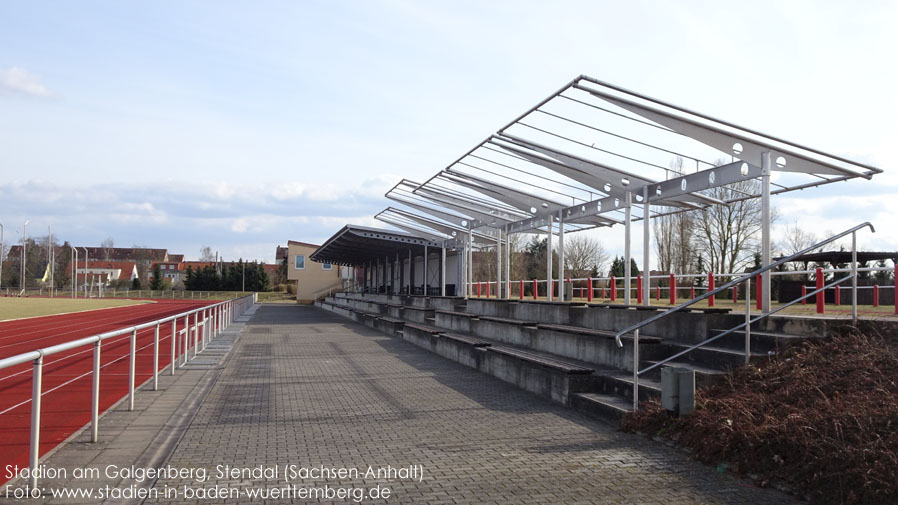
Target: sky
(240,126)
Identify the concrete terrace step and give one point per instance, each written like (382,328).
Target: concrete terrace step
(620,383)
(580,330)
(466,339)
(542,359)
(456,314)
(603,406)
(760,340)
(713,356)
(517,322)
(704,376)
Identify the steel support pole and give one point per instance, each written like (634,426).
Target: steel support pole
(646,246)
(132,368)
(766,167)
(561,296)
(498,264)
(549,279)
(411,273)
(470,279)
(95,395)
(627,270)
(401,272)
(34,450)
(426,282)
(443,271)
(507,265)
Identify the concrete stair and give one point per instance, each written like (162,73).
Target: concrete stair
(567,352)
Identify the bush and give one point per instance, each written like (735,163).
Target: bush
(822,418)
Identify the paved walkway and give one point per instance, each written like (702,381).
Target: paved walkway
(317,398)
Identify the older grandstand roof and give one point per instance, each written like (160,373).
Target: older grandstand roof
(358,245)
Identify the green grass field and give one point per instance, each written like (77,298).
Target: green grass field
(17,308)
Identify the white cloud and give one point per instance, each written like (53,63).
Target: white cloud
(19,80)
(240,225)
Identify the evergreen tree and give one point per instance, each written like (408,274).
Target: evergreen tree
(157,283)
(135,283)
(189,279)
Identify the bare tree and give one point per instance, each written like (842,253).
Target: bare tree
(583,254)
(674,235)
(729,235)
(796,239)
(107,246)
(518,260)
(206,254)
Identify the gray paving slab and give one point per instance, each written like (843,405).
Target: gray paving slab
(319,400)
(307,388)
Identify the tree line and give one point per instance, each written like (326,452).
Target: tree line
(234,276)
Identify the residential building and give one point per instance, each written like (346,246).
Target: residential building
(312,279)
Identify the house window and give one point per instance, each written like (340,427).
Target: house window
(326,266)
(300,262)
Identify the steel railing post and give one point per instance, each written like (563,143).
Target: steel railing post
(95,395)
(34,455)
(156,359)
(635,371)
(185,340)
(854,278)
(196,332)
(747,320)
(132,369)
(174,344)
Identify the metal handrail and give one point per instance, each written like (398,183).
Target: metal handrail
(732,283)
(216,318)
(748,320)
(747,323)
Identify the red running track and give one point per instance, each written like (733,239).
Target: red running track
(67,376)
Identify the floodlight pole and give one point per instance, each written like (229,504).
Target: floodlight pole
(549,279)
(766,167)
(50,257)
(74,270)
(86,259)
(627,270)
(243,285)
(24,236)
(646,246)
(560,256)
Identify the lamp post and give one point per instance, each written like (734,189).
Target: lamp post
(74,270)
(24,232)
(243,287)
(50,257)
(1,254)
(86,257)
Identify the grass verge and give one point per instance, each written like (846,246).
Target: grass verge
(17,308)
